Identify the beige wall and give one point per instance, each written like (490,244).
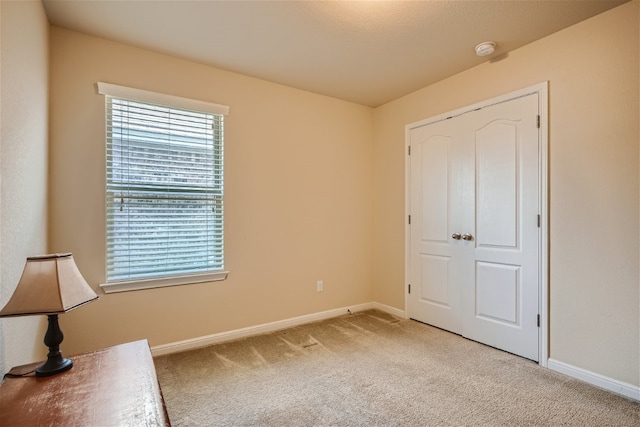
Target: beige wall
(24,76)
(592,69)
(298,175)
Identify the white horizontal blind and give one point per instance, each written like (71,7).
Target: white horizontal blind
(164,191)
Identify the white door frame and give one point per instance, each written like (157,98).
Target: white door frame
(543,234)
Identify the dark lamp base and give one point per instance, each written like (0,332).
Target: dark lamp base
(53,366)
(55,362)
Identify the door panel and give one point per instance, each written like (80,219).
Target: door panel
(434,280)
(498,292)
(497,184)
(434,167)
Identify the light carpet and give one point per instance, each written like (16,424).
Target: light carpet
(373,369)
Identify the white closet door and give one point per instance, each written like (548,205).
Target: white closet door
(435,180)
(474,232)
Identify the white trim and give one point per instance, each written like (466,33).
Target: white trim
(193,343)
(135,285)
(109,89)
(529,90)
(543,261)
(541,89)
(628,390)
(407,212)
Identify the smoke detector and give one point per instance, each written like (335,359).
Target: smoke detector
(485,48)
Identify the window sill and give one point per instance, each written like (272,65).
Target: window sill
(135,285)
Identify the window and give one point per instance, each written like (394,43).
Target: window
(164,190)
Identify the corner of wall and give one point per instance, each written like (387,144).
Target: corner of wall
(24,88)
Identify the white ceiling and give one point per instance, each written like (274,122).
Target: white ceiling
(368,52)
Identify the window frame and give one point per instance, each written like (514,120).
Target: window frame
(138,95)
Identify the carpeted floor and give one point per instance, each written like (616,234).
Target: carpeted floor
(372,369)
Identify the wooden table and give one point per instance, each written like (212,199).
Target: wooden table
(115,386)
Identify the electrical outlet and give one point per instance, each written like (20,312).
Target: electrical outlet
(319,286)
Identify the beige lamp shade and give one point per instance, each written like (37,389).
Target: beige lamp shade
(49,284)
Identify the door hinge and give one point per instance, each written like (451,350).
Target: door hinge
(538,320)
(409,148)
(409,219)
(409,287)
(538,121)
(538,221)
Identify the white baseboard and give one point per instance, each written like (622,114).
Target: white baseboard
(628,390)
(388,309)
(193,343)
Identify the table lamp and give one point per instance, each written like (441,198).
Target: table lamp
(50,284)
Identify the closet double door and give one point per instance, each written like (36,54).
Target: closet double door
(474,232)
